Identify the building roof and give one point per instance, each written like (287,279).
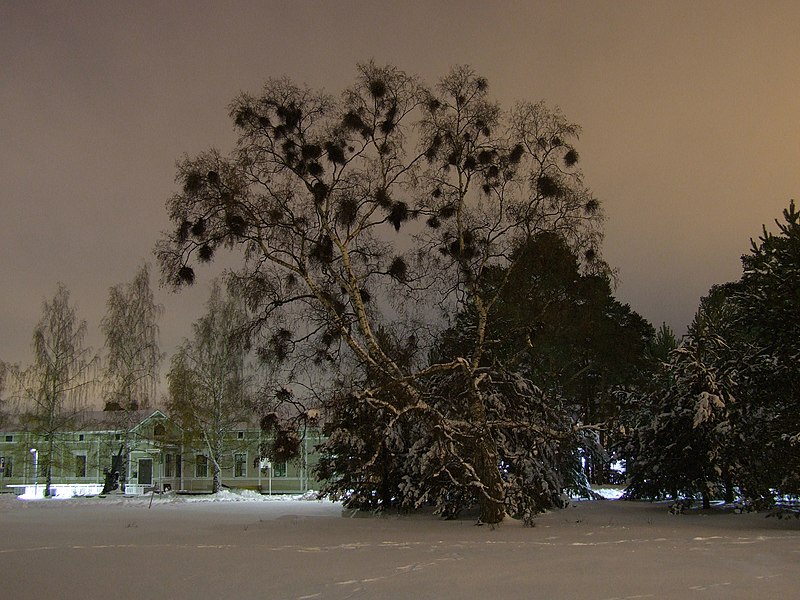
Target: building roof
(96,420)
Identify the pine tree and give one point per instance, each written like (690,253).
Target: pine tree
(684,446)
(768,301)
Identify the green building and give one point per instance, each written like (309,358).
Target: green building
(160,457)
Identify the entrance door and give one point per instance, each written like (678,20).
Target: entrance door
(145,471)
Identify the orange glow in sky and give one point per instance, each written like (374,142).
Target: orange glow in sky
(689,112)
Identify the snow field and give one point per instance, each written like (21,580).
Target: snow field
(249,546)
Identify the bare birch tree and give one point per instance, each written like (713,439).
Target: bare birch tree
(133,358)
(316,194)
(207,377)
(55,388)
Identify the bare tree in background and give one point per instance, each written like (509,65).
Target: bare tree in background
(316,195)
(207,377)
(54,389)
(133,358)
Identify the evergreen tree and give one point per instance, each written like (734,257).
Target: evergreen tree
(366,459)
(723,416)
(663,343)
(684,447)
(768,303)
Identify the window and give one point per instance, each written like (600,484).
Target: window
(159,431)
(240,435)
(178,466)
(201,466)
(279,469)
(9,438)
(8,470)
(240,465)
(168,463)
(80,437)
(118,436)
(80,465)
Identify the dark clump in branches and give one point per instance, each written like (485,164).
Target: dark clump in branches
(335,153)
(377,88)
(186,275)
(548,186)
(398,269)
(206,253)
(398,215)
(348,210)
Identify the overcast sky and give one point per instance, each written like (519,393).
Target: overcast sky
(690,114)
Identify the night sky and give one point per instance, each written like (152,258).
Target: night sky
(690,115)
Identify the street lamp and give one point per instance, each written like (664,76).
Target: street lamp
(35,453)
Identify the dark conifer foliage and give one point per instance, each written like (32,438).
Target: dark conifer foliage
(722,420)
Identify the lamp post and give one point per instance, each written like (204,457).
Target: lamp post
(35,453)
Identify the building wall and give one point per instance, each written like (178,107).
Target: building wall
(243,466)
(159,458)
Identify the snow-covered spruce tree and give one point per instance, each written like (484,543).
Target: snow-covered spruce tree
(377,459)
(744,346)
(639,402)
(365,461)
(768,304)
(319,194)
(686,444)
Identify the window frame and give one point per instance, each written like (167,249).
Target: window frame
(280,469)
(240,465)
(201,466)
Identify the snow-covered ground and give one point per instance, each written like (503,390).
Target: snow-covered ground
(250,546)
